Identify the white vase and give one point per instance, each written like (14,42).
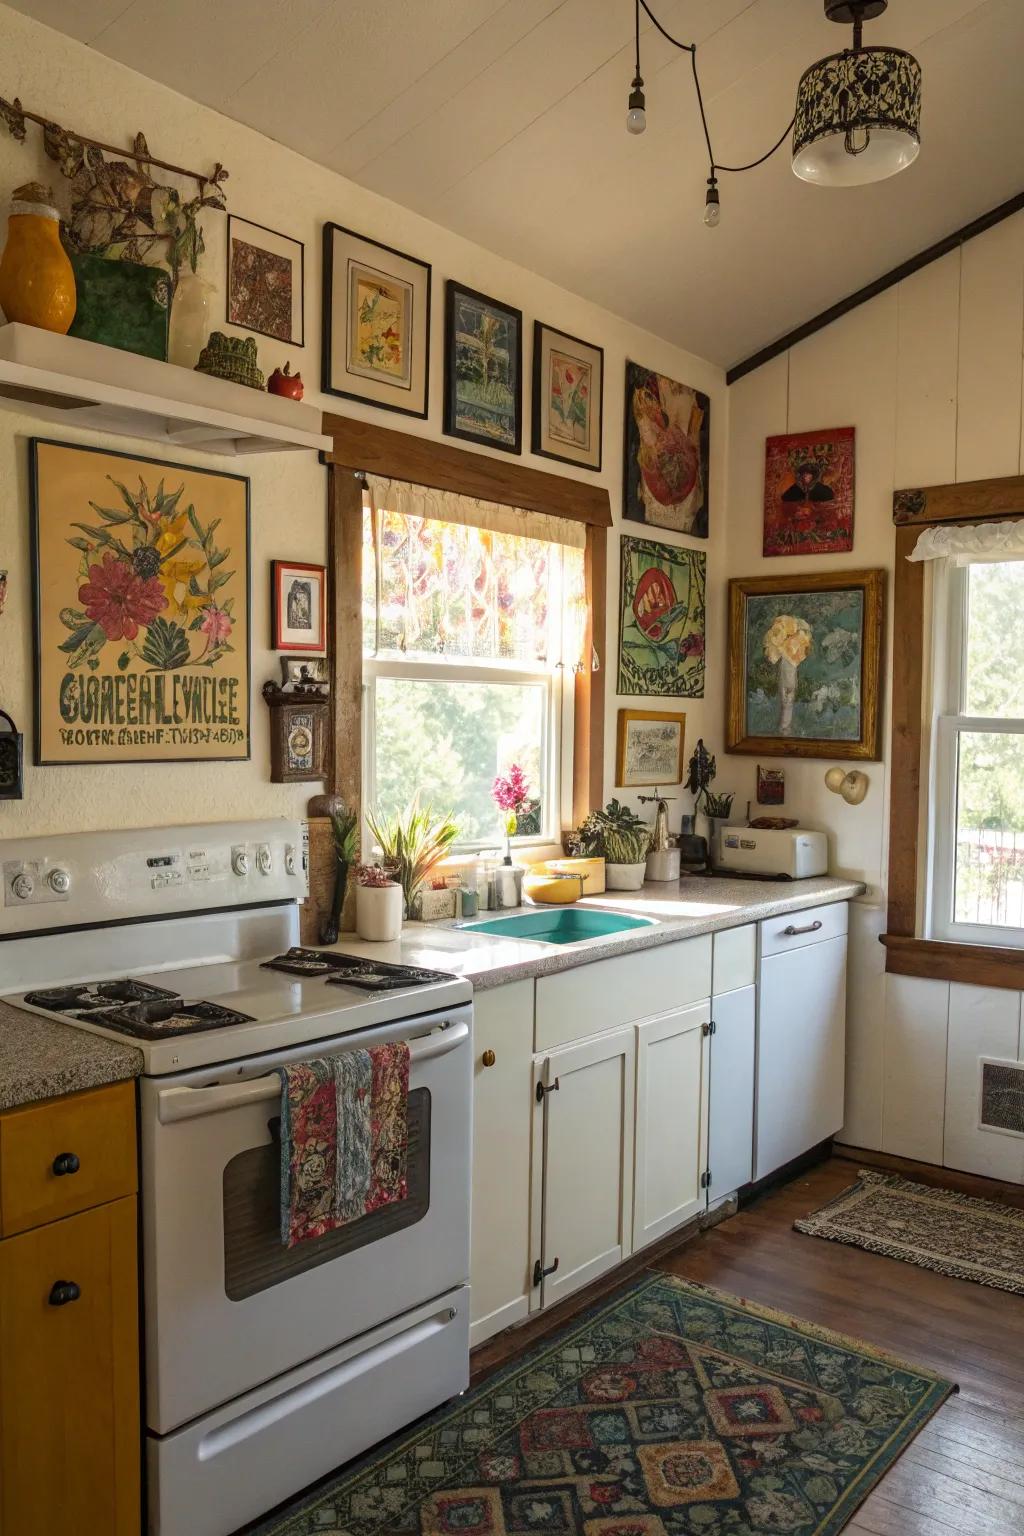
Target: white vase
(190,320)
(379,913)
(625,877)
(787,695)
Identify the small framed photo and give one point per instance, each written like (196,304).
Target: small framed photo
(376,340)
(298,605)
(650,748)
(304,674)
(483,369)
(265,287)
(568,397)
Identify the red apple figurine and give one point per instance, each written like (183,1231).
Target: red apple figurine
(283,382)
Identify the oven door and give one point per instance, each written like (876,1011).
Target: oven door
(227,1306)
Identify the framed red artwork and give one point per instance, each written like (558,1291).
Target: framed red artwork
(808,492)
(298,606)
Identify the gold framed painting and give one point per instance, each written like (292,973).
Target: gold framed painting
(376,323)
(805,656)
(141,597)
(650,748)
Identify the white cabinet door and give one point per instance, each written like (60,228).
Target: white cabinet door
(800,1051)
(671,1121)
(731,1106)
(502,1119)
(585,1125)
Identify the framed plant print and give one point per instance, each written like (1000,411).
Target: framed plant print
(568,397)
(649,748)
(265,283)
(668,436)
(808,492)
(483,368)
(376,323)
(805,655)
(298,606)
(141,589)
(661,619)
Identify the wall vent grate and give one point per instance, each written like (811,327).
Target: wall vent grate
(1002,1096)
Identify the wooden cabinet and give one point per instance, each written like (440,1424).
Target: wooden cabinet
(671,1121)
(69,1321)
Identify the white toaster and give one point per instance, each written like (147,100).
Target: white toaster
(793,854)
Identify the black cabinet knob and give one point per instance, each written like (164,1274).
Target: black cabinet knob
(65,1162)
(63,1291)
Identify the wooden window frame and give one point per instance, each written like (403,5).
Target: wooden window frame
(906,954)
(363,448)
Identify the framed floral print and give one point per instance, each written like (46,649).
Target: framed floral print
(568,397)
(265,287)
(376,323)
(141,588)
(805,655)
(649,748)
(668,436)
(808,492)
(298,606)
(661,620)
(483,368)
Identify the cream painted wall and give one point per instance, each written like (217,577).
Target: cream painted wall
(85,91)
(930,374)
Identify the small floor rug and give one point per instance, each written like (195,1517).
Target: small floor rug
(936,1229)
(671,1410)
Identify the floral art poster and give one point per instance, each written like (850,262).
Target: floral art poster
(141,608)
(661,620)
(668,426)
(808,493)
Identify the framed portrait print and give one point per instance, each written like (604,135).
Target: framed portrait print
(141,587)
(805,656)
(265,287)
(661,620)
(568,397)
(298,606)
(668,436)
(808,492)
(483,366)
(376,323)
(649,748)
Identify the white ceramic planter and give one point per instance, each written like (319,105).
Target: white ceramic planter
(625,877)
(379,912)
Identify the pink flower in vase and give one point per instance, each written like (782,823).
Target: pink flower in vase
(511,794)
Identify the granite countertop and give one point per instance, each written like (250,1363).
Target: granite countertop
(42,1059)
(695,906)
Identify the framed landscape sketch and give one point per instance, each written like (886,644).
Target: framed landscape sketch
(141,588)
(298,606)
(568,397)
(661,620)
(808,492)
(265,281)
(804,664)
(650,748)
(483,368)
(668,434)
(376,323)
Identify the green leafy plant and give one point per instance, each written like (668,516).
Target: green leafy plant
(345,826)
(718,805)
(412,842)
(616,834)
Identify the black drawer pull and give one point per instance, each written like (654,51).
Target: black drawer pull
(63,1291)
(791,932)
(65,1162)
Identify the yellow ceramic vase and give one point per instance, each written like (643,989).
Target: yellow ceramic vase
(37,282)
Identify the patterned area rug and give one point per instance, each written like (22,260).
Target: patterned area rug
(933,1228)
(671,1410)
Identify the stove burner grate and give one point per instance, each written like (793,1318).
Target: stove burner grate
(83,998)
(160,1019)
(350,971)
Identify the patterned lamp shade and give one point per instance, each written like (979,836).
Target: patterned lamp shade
(858,116)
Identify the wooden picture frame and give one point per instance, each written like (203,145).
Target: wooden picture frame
(358,359)
(668,724)
(464,415)
(779,623)
(298,606)
(252,291)
(567,416)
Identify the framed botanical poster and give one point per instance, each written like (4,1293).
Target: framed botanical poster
(649,748)
(265,287)
(668,435)
(661,620)
(483,368)
(298,606)
(805,656)
(808,493)
(141,587)
(568,397)
(376,323)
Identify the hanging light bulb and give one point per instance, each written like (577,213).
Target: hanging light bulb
(712,204)
(636,116)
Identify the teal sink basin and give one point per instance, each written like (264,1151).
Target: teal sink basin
(560,925)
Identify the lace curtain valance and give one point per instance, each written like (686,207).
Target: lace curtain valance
(450,507)
(960,544)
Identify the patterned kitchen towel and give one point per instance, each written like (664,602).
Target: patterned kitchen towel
(344,1138)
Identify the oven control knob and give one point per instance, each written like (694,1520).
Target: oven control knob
(23,885)
(264,859)
(240,861)
(59,881)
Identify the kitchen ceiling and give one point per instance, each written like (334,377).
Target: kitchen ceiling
(505,121)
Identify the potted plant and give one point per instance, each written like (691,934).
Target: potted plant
(717,808)
(344,825)
(378,904)
(411,843)
(511,794)
(623,839)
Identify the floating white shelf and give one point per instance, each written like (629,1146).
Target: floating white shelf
(62,378)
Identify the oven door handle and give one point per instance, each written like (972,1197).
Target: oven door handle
(189,1103)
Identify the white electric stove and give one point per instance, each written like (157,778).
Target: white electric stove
(266,1367)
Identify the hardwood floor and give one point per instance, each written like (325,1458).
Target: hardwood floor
(964,1473)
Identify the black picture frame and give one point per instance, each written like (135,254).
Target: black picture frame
(453,290)
(327,335)
(291,341)
(536,414)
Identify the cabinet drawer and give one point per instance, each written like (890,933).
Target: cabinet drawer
(89,1135)
(779,934)
(621,990)
(735,958)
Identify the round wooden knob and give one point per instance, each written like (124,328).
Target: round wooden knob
(488,1058)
